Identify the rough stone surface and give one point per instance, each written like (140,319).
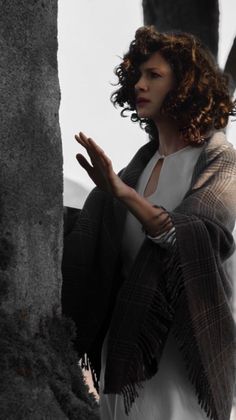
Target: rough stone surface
(30,159)
(40,376)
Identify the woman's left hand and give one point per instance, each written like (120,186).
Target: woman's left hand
(100,170)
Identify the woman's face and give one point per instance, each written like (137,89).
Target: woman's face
(155,82)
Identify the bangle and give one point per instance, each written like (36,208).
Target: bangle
(164,211)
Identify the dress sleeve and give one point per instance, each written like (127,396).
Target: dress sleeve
(166,239)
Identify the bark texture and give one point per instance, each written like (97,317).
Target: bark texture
(40,377)
(230,66)
(198,17)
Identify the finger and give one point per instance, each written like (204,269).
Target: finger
(83,162)
(81,141)
(94,145)
(98,150)
(85,142)
(83,135)
(95,153)
(84,138)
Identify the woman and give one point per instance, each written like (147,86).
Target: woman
(144,264)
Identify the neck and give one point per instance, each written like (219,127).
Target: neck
(170,140)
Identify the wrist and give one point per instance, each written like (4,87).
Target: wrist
(158,222)
(125,193)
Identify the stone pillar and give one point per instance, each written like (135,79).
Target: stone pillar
(40,377)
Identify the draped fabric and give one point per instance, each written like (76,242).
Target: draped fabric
(187,289)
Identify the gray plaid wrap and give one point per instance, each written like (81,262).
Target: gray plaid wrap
(186,288)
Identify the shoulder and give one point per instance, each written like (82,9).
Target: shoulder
(217,160)
(219,145)
(217,150)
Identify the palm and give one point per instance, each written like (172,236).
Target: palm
(100,170)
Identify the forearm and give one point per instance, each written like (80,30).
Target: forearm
(155,220)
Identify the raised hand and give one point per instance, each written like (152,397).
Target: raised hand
(100,170)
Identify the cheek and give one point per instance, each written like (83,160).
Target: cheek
(162,91)
(165,93)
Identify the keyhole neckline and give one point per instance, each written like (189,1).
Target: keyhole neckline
(174,153)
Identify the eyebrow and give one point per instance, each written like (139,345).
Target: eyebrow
(152,68)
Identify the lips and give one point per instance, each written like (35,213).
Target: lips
(141,101)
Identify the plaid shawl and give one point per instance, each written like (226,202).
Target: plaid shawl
(186,288)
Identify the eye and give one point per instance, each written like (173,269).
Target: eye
(155,75)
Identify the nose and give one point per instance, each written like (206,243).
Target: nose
(141,84)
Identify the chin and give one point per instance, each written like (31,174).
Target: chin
(143,114)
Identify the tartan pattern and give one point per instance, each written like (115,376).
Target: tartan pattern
(184,287)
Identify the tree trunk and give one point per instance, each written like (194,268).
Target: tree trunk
(198,17)
(230,66)
(40,377)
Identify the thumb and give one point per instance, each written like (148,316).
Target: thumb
(83,162)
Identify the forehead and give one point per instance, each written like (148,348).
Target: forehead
(156,61)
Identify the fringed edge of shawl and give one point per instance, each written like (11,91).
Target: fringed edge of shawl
(197,376)
(146,349)
(149,347)
(176,292)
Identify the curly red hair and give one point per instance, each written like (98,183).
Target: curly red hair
(200,100)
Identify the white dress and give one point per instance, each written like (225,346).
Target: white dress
(168,395)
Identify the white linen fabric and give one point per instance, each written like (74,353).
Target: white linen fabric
(168,395)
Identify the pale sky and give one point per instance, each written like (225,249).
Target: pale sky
(92,35)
